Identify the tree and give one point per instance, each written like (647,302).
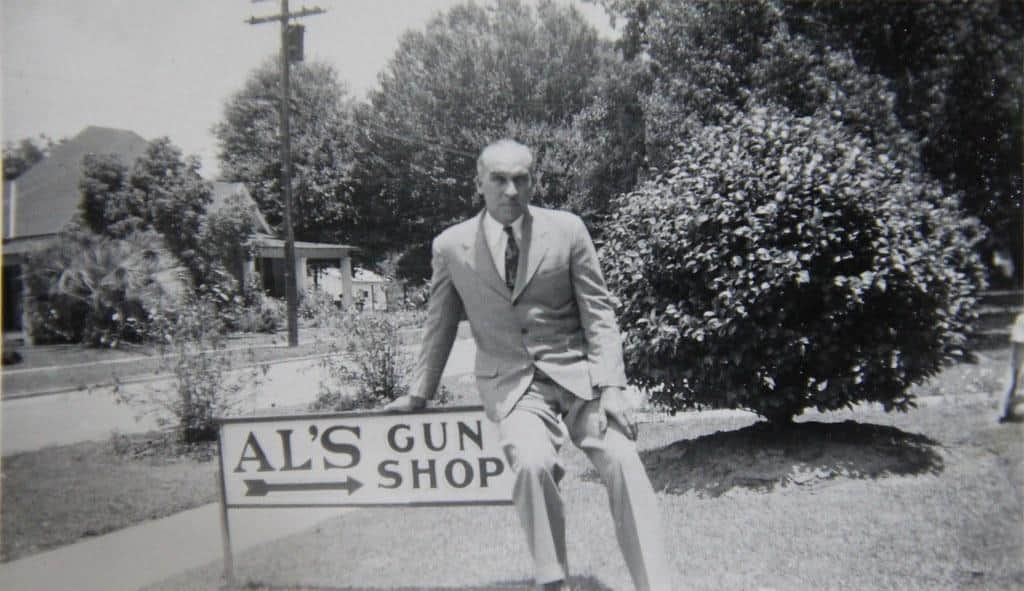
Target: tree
(710,60)
(225,237)
(955,68)
(784,263)
(473,75)
(940,82)
(322,151)
(21,156)
(163,192)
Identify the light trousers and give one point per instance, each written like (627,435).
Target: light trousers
(532,435)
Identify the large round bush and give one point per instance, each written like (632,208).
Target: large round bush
(783,264)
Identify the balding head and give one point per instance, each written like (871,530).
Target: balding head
(503,177)
(505,149)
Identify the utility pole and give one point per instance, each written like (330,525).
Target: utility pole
(288,53)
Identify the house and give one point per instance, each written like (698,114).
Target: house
(40,203)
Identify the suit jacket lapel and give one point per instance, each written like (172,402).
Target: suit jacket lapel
(481,261)
(531,252)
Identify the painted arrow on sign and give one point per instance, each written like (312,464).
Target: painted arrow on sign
(260,488)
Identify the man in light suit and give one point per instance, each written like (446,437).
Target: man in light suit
(548,354)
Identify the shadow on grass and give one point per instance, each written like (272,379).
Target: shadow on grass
(575,583)
(760,458)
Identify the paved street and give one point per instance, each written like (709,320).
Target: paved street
(60,419)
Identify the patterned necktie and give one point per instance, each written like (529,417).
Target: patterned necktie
(511,258)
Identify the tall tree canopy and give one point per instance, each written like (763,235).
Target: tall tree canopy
(475,74)
(937,85)
(20,156)
(956,68)
(322,153)
(707,61)
(163,191)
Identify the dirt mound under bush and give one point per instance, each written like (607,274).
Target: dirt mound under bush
(762,458)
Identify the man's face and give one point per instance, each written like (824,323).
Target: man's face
(505,182)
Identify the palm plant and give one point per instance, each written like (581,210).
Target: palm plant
(101,291)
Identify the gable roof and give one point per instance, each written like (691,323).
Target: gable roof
(46,197)
(223,192)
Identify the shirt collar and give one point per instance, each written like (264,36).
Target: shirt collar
(496,229)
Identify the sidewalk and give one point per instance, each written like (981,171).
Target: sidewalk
(150,552)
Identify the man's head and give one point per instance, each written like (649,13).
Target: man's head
(504,178)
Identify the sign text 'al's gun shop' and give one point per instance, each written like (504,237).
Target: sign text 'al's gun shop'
(440,456)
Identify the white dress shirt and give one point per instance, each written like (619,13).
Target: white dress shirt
(497,239)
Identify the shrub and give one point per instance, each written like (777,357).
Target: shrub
(783,264)
(318,308)
(263,314)
(417,298)
(225,239)
(208,379)
(364,362)
(100,291)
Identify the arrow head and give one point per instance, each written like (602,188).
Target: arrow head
(256,488)
(353,485)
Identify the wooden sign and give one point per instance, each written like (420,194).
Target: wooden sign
(440,456)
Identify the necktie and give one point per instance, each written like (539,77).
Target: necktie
(511,258)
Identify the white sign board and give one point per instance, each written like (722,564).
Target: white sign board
(434,457)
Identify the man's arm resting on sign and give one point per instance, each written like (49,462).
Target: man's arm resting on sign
(407,403)
(444,310)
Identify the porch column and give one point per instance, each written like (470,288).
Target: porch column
(300,275)
(248,272)
(346,282)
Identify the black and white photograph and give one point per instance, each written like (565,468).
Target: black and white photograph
(512,295)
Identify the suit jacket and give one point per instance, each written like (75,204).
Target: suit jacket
(559,317)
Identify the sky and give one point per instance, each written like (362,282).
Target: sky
(166,67)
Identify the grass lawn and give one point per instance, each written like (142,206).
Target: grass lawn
(930,499)
(58,495)
(860,499)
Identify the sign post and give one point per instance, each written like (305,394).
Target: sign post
(435,457)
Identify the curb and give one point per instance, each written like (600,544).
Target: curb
(150,377)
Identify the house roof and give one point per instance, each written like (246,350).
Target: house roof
(46,197)
(224,192)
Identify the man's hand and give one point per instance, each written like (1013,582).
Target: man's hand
(616,406)
(406,403)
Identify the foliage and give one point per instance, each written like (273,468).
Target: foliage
(318,308)
(783,263)
(207,380)
(711,60)
(162,192)
(933,82)
(956,71)
(258,313)
(473,75)
(322,152)
(98,290)
(21,156)
(365,352)
(224,238)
